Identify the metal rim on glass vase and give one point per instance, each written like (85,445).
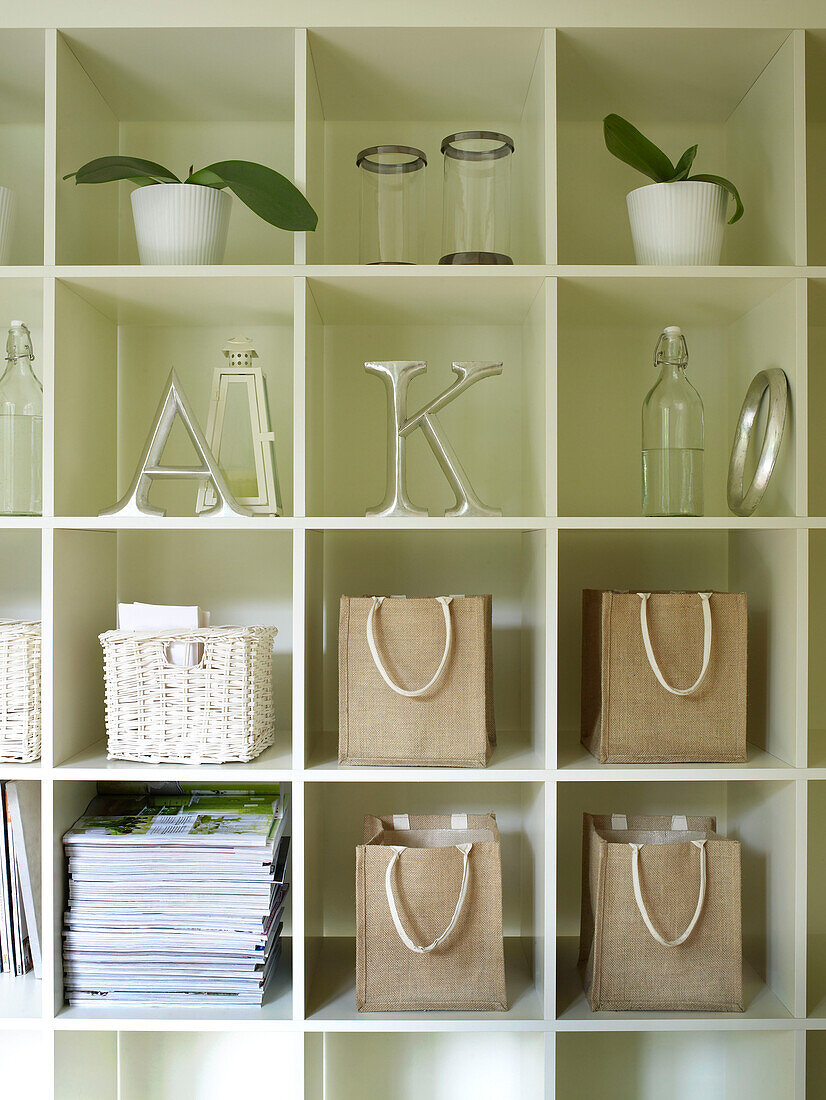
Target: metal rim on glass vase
(503,146)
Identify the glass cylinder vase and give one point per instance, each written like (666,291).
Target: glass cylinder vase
(476,210)
(392,204)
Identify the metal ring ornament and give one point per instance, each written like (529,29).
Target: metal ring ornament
(775,381)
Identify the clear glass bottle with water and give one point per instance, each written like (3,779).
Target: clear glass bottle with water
(672,435)
(21,429)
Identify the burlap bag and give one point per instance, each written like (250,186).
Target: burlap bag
(443,876)
(624,963)
(681,697)
(438,656)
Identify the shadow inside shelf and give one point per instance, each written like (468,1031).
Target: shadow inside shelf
(573,756)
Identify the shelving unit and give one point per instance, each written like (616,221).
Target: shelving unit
(553,442)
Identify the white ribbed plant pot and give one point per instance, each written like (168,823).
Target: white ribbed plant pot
(8,217)
(678,223)
(181,223)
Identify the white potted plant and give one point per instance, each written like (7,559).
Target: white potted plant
(680,218)
(186,222)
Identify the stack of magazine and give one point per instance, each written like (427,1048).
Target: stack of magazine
(19,878)
(176,897)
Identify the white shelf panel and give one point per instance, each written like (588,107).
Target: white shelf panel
(20,998)
(242,298)
(763,1008)
(33,770)
(332,996)
(576,763)
(678,523)
(92,763)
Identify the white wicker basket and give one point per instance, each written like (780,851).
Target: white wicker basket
(213,712)
(19,691)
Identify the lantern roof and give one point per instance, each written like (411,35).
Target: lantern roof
(238,345)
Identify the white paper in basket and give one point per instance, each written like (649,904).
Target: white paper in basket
(157,617)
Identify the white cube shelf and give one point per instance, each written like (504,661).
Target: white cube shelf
(243,578)
(334,826)
(70,800)
(342,1066)
(554,442)
(630,1066)
(116,342)
(511,566)
(179,97)
(732,92)
(439,321)
(405,86)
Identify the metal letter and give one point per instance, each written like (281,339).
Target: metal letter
(135,502)
(397,376)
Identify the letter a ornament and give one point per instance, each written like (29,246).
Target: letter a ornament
(397,376)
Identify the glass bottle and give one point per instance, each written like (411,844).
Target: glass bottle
(672,435)
(21,429)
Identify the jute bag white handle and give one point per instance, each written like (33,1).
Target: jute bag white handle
(374,653)
(649,652)
(394,912)
(635,875)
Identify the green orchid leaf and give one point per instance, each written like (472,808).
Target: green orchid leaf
(141,181)
(630,146)
(267,193)
(109,169)
(732,190)
(206,178)
(684,163)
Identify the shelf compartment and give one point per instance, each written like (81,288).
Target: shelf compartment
(21,998)
(645,1066)
(22,138)
(21,598)
(815,1064)
(499,427)
(816,901)
(153,1065)
(817,649)
(815,144)
(762,816)
(731,91)
(413,86)
(816,394)
(344,1066)
(764,564)
(70,800)
(607,331)
(117,339)
(204,94)
(334,819)
(24,1055)
(243,578)
(20,570)
(511,565)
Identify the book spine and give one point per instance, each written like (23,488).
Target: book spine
(14,902)
(5,898)
(30,937)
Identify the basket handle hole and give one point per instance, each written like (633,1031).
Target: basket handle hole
(184,654)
